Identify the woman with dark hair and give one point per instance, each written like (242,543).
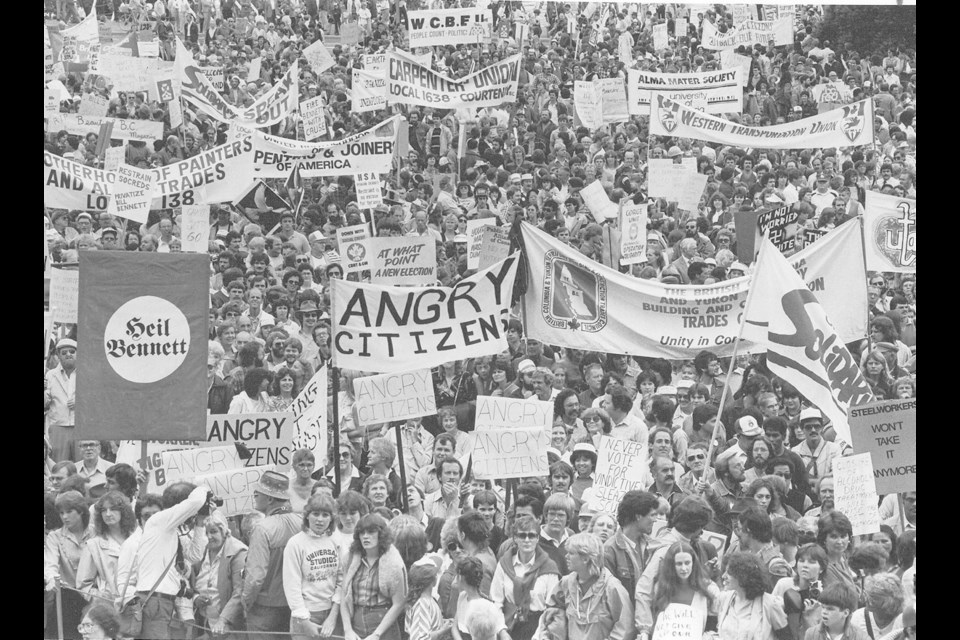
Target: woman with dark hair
(351,507)
(703,423)
(113,522)
(800,591)
(887,538)
(834,534)
(597,422)
(302,466)
(312,572)
(683,580)
(375,583)
(100,622)
(254,398)
(469,576)
(768,491)
(377,488)
(423,618)
(410,539)
(883,331)
(284,389)
(63,549)
(745,610)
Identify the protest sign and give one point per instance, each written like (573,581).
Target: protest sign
(729,59)
(475,232)
(633,233)
(402,261)
(64,294)
(310,417)
(660,36)
(253,73)
(409,82)
(576,303)
(93,104)
(666,179)
(678,622)
(887,430)
(314,118)
(375,64)
(588,101)
(148,48)
(318,57)
(113,158)
(369,151)
(391,397)
(123,128)
(621,467)
(81,42)
(742,13)
(749,33)
(235,488)
(693,185)
(812,235)
(613,94)
(47,56)
(195,228)
(716,91)
(596,199)
(494,246)
(369,194)
(144,337)
(369,90)
(848,126)
(135,74)
(855,493)
(267,436)
(680,27)
(385,329)
(215,75)
(890,233)
(132,193)
(828,94)
(512,437)
(148,456)
(780,227)
(217,175)
(349,34)
(350,242)
(184,465)
(51,103)
(442,27)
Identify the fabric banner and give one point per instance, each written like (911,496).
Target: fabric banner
(749,33)
(386,329)
(890,233)
(803,347)
(621,467)
(267,436)
(633,233)
(81,42)
(887,430)
(402,261)
(848,126)
(123,128)
(269,109)
(310,417)
(718,91)
(512,437)
(855,492)
(574,302)
(220,174)
(132,193)
(441,27)
(47,56)
(369,91)
(314,118)
(392,397)
(318,57)
(409,82)
(195,228)
(143,334)
(369,151)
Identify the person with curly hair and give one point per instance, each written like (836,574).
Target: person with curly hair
(423,618)
(744,610)
(113,522)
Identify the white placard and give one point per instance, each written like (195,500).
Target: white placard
(64,295)
(195,227)
(394,396)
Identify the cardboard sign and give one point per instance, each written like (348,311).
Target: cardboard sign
(403,261)
(131,452)
(195,228)
(369,194)
(349,241)
(633,233)
(475,231)
(310,417)
(113,158)
(678,622)
(235,487)
(394,396)
(64,295)
(314,118)
(186,464)
(621,467)
(494,246)
(318,57)
(512,437)
(855,492)
(597,201)
(887,430)
(267,436)
(132,193)
(216,76)
(93,104)
(666,179)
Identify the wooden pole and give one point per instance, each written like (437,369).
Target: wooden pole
(335,372)
(403,469)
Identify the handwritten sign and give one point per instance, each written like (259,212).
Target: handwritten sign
(633,233)
(113,158)
(621,467)
(151,462)
(369,194)
(660,36)
(394,396)
(310,417)
(93,104)
(678,622)
(235,487)
(195,226)
(132,193)
(187,464)
(267,436)
(512,437)
(318,57)
(887,430)
(855,492)
(314,118)
(64,295)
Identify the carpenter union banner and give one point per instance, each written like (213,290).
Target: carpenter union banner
(409,82)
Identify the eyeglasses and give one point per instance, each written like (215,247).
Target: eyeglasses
(526,536)
(89,445)
(303,261)
(556,515)
(454,546)
(310,314)
(231,314)
(699,456)
(344,455)
(683,396)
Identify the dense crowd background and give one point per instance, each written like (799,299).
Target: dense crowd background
(738,519)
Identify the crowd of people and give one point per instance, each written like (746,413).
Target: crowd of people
(737,517)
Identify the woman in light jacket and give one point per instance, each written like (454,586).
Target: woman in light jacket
(113,522)
(219,592)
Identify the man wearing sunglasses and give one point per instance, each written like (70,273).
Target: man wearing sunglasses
(60,384)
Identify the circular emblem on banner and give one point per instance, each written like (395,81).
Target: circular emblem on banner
(356,252)
(146,339)
(634,231)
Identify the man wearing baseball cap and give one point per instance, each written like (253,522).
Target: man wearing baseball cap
(263,598)
(60,391)
(816,453)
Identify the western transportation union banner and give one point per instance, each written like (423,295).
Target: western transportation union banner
(409,82)
(369,151)
(848,126)
(386,329)
(749,33)
(574,302)
(449,26)
(711,91)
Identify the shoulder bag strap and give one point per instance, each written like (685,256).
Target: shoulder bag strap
(156,585)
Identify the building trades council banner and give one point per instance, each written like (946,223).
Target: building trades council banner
(449,26)
(142,327)
(848,126)
(409,82)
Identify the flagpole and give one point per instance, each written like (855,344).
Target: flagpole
(335,372)
(863,244)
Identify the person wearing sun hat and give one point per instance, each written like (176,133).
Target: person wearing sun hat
(60,395)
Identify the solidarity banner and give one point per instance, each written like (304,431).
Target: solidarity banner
(143,334)
(887,430)
(709,91)
(749,33)
(409,82)
(848,126)
(890,232)
(402,261)
(512,437)
(369,151)
(369,91)
(449,26)
(71,185)
(270,109)
(577,303)
(218,175)
(387,329)
(803,347)
(123,128)
(391,397)
(265,435)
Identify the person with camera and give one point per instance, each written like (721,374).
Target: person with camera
(801,590)
(219,577)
